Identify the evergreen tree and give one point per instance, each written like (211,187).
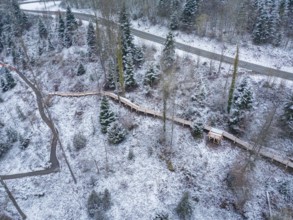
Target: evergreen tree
(107,200)
(25,22)
(243,97)
(18,18)
(151,76)
(4,147)
(15,55)
(71,23)
(111,77)
(50,45)
(61,30)
(288,112)
(235,118)
(80,70)
(43,33)
(129,72)
(168,56)
(106,115)
(116,133)
(197,127)
(242,101)
(189,14)
(184,209)
(7,81)
(126,36)
(260,34)
(91,39)
(174,23)
(164,8)
(1,45)
(138,56)
(67,38)
(93,203)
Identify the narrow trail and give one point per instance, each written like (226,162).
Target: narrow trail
(55,167)
(264,152)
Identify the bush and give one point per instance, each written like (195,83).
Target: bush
(184,209)
(130,155)
(79,141)
(98,204)
(116,133)
(4,147)
(80,70)
(24,142)
(12,135)
(161,217)
(4,217)
(20,114)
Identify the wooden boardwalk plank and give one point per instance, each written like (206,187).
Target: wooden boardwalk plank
(264,152)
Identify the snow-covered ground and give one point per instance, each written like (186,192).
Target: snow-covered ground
(268,56)
(142,187)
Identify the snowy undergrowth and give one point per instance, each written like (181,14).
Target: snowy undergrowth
(144,186)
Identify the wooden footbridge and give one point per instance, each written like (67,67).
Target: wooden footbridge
(264,152)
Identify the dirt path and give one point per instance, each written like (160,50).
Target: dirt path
(53,157)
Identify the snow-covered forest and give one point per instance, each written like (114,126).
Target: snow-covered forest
(117,163)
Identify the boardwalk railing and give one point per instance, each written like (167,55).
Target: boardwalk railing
(264,152)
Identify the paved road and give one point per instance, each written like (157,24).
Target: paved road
(256,68)
(53,158)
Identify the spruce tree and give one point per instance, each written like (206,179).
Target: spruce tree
(80,70)
(18,18)
(168,56)
(197,127)
(15,55)
(67,38)
(164,8)
(116,133)
(43,33)
(127,40)
(91,39)
(174,22)
(151,76)
(50,45)
(71,23)
(189,14)
(184,208)
(107,200)
(112,75)
(288,112)
(130,82)
(260,33)
(243,97)
(106,115)
(1,45)
(25,22)
(93,203)
(7,81)
(138,56)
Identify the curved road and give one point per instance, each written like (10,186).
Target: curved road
(256,68)
(53,158)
